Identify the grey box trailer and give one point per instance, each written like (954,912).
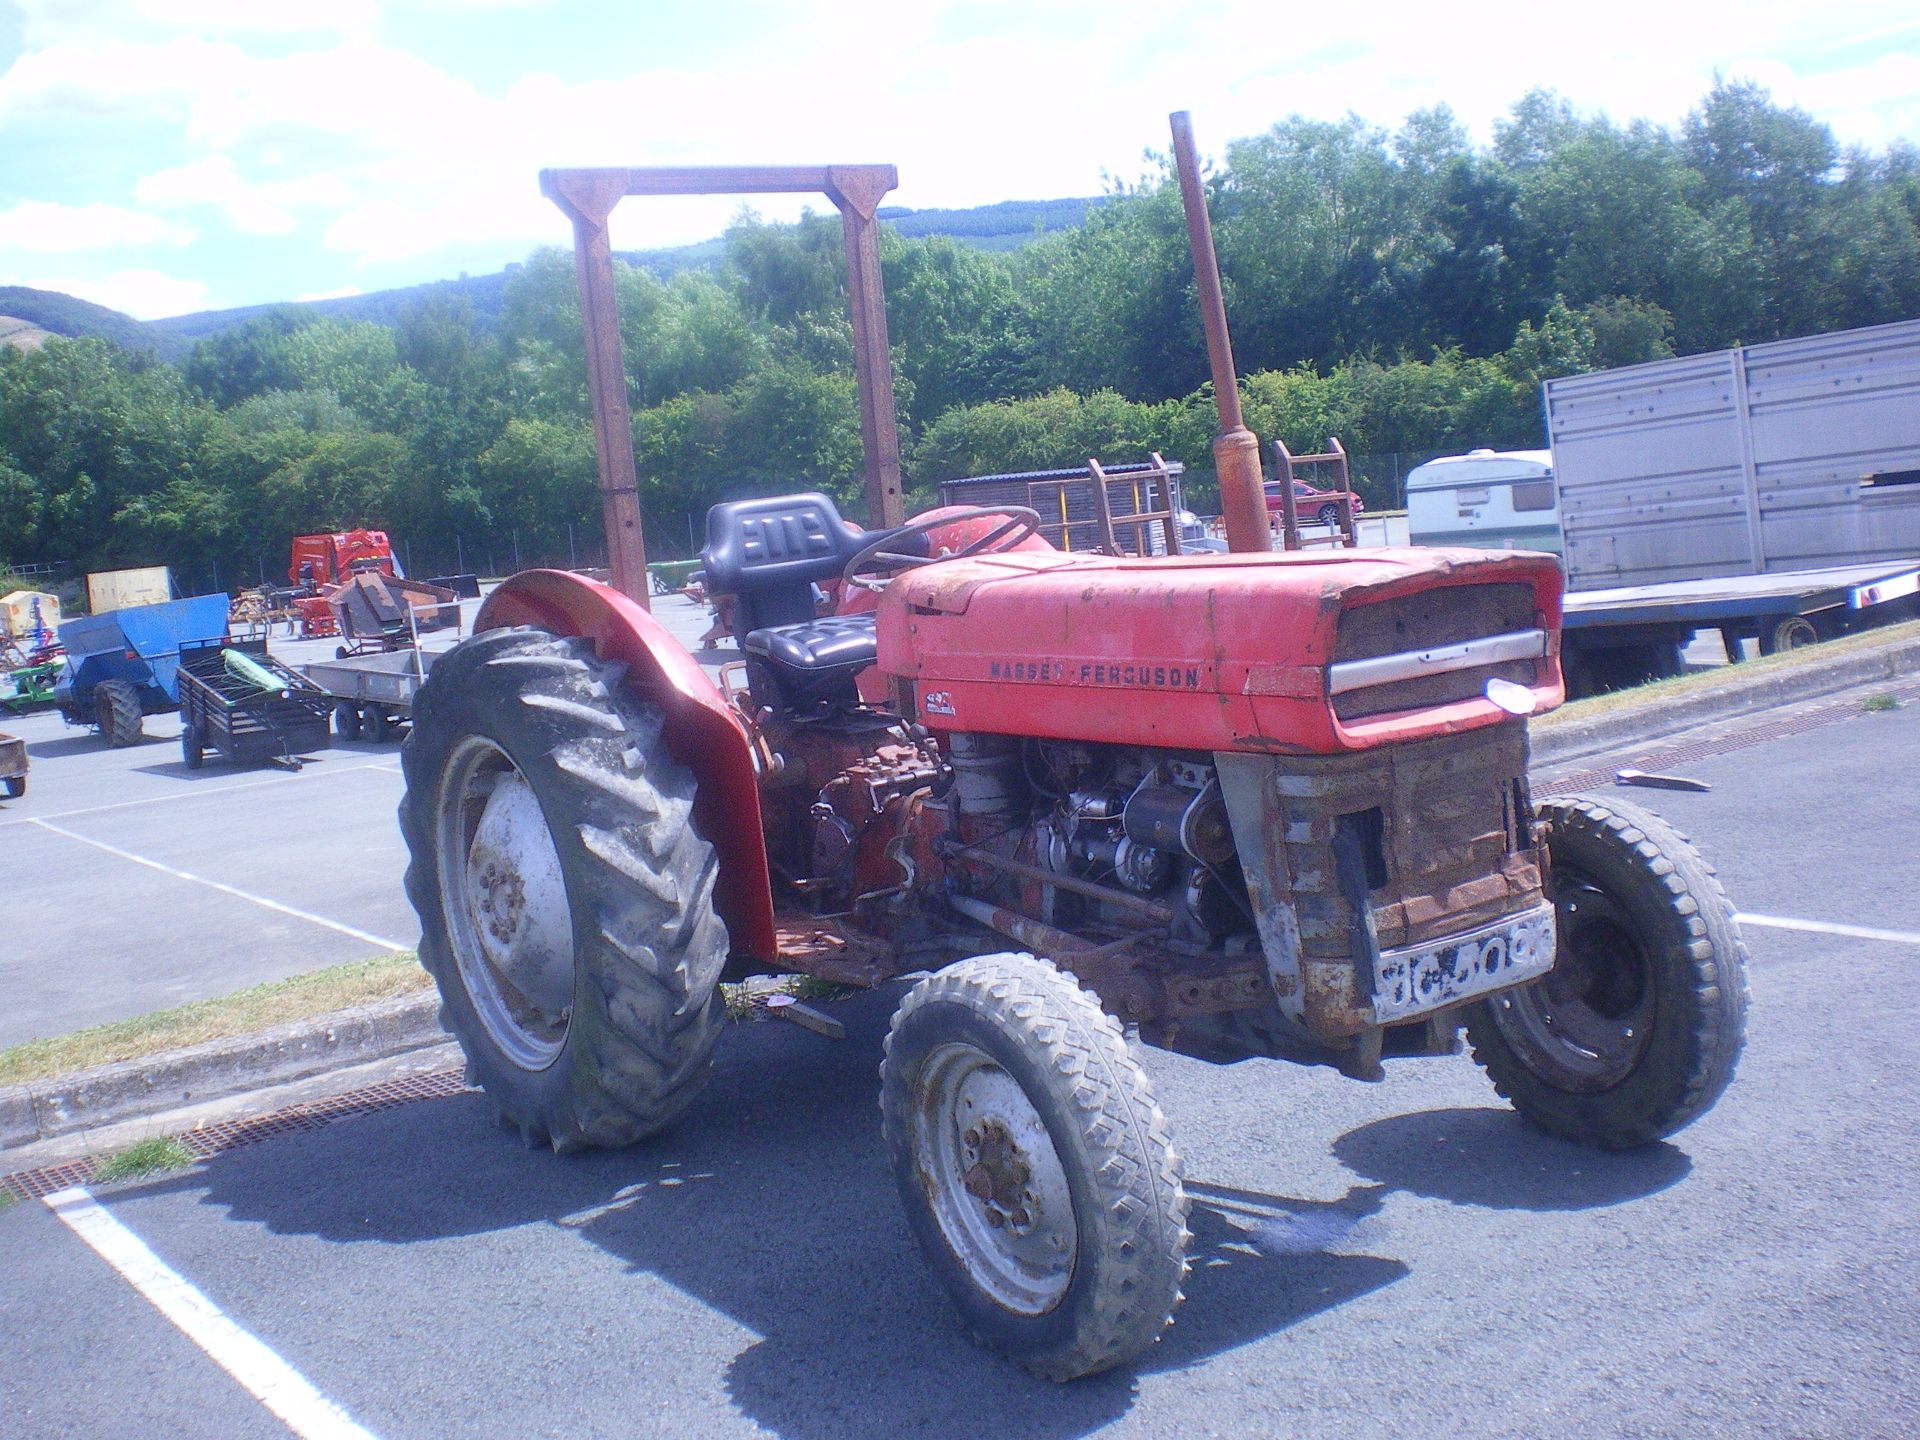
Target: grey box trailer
(1796,459)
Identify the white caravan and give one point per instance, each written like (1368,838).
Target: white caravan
(1492,499)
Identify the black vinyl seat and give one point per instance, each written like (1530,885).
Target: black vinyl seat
(769,555)
(817,661)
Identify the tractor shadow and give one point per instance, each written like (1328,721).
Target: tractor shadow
(772,1205)
(1493,1159)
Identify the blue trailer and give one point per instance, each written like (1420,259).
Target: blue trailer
(124,664)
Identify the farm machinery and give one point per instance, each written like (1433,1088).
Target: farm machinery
(124,664)
(1080,804)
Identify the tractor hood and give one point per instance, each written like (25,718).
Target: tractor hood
(1302,652)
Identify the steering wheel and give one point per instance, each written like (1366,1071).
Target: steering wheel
(1020,522)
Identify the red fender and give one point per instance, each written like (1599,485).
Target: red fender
(702,730)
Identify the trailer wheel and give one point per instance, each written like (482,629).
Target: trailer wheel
(192,748)
(378,724)
(346,720)
(1034,1165)
(565,900)
(116,710)
(1787,632)
(1636,1030)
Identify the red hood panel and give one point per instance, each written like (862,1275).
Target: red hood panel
(1213,652)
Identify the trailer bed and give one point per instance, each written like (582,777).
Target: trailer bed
(372,694)
(1737,597)
(242,722)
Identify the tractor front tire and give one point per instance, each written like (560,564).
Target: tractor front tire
(565,900)
(1636,1030)
(116,710)
(1034,1165)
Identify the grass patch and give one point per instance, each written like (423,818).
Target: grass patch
(276,1003)
(8,1199)
(143,1157)
(1721,677)
(1880,702)
(746,999)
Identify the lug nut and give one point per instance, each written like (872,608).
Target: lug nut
(979,1183)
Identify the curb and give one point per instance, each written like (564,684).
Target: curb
(1577,739)
(131,1089)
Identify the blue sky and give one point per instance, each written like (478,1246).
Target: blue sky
(164,156)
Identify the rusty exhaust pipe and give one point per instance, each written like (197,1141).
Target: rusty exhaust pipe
(1236,453)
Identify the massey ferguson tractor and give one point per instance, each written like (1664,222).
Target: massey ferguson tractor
(1245,805)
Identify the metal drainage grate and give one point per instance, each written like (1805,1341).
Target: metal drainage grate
(1724,744)
(210,1140)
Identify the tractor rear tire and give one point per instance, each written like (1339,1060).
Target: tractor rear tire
(565,899)
(1034,1165)
(346,720)
(1637,1029)
(193,750)
(116,710)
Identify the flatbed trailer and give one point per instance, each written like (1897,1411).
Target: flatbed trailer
(1631,633)
(239,720)
(372,694)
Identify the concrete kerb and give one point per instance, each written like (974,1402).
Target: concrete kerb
(133,1089)
(1558,741)
(130,1089)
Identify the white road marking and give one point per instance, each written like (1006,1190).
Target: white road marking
(378,941)
(267,1377)
(202,790)
(1825,927)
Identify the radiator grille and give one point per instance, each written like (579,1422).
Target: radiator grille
(1445,615)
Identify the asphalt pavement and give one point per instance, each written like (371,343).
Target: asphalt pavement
(134,884)
(1395,1259)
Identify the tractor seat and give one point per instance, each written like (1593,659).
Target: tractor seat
(814,661)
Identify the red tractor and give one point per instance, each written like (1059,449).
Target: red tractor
(1244,805)
(1234,805)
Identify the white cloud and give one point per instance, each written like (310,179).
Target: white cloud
(302,118)
(41,228)
(250,207)
(143,294)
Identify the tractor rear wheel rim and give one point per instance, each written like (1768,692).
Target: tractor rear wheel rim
(1588,1021)
(994,1180)
(505,903)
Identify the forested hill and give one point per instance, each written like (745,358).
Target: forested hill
(1000,227)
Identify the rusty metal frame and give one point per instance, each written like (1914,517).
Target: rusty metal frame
(588,198)
(1236,450)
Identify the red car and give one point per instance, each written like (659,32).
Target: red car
(1310,503)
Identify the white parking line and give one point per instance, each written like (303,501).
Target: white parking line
(1826,927)
(267,1377)
(202,790)
(378,941)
